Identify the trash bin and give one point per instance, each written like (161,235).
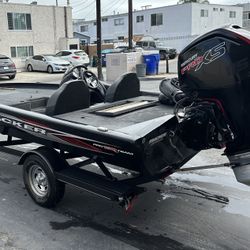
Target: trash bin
(141,69)
(152,63)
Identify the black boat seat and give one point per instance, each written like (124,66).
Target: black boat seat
(126,86)
(71,96)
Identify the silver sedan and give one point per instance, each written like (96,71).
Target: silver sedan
(48,63)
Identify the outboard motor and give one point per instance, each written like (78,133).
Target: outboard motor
(214,73)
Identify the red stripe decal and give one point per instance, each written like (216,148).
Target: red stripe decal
(79,143)
(35,123)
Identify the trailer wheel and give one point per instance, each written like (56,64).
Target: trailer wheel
(39,178)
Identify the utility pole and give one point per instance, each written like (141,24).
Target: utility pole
(130,24)
(99,39)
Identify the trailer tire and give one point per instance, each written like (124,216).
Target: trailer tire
(39,178)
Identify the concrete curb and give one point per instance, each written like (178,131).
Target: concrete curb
(157,77)
(151,78)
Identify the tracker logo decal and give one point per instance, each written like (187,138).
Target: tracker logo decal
(42,131)
(210,56)
(21,125)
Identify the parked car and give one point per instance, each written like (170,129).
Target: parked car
(75,57)
(47,63)
(7,67)
(150,43)
(124,48)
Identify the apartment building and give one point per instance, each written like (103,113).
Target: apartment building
(176,25)
(28,29)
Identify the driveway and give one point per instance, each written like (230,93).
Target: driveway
(56,77)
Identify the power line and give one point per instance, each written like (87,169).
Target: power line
(84,7)
(79,3)
(114,5)
(91,12)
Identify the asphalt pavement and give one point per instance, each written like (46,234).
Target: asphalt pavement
(205,209)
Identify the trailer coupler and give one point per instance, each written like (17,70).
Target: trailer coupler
(127,202)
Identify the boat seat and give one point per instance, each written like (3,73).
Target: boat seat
(126,86)
(71,96)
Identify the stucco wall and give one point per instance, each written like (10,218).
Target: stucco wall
(215,19)
(48,27)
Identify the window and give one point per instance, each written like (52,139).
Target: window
(120,37)
(21,51)
(222,9)
(73,46)
(156,19)
(139,19)
(104,19)
(66,53)
(19,21)
(38,58)
(204,13)
(215,9)
(84,28)
(118,21)
(13,51)
(152,44)
(232,14)
(83,41)
(246,15)
(59,53)
(94,23)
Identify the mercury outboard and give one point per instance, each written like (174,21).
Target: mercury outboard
(214,85)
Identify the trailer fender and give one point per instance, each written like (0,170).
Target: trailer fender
(49,155)
(27,154)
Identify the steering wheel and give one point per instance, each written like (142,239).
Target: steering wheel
(96,87)
(91,79)
(73,73)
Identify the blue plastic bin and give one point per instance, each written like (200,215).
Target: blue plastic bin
(152,63)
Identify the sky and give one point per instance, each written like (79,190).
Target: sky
(86,8)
